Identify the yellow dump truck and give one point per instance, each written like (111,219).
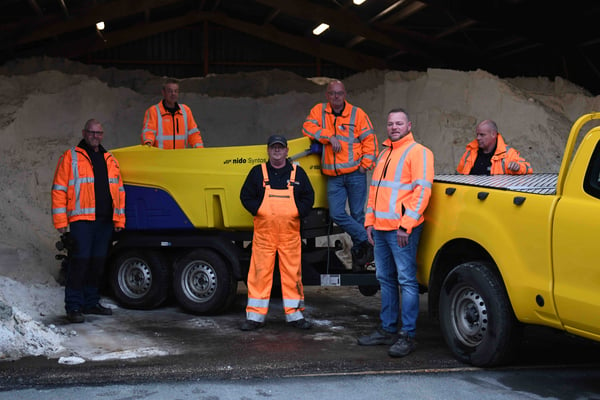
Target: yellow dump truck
(188,233)
(499,252)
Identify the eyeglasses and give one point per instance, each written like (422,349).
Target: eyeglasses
(99,133)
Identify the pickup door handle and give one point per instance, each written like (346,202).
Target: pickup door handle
(450,191)
(518,200)
(482,195)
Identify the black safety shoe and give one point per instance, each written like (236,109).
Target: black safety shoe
(250,325)
(362,256)
(378,337)
(98,309)
(75,317)
(403,347)
(301,324)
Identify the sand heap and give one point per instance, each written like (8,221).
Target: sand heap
(45,103)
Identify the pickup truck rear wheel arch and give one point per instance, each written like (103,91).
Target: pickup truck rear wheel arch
(452,254)
(476,317)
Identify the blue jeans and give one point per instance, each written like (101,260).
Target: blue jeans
(397,265)
(350,187)
(86,263)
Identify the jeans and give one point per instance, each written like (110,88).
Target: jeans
(350,187)
(397,265)
(86,263)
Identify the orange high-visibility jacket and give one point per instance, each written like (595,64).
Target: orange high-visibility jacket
(73,196)
(503,156)
(354,131)
(167,131)
(401,185)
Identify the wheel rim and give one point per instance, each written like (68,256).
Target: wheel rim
(469,317)
(135,278)
(199,281)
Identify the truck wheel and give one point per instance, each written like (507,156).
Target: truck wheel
(203,283)
(139,279)
(476,317)
(368,290)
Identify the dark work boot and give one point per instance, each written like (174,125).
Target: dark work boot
(378,337)
(249,325)
(403,347)
(98,309)
(362,256)
(75,317)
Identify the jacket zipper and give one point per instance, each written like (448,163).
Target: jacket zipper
(335,134)
(383,174)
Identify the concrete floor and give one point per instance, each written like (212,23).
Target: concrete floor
(169,345)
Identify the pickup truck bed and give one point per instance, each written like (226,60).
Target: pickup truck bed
(536,183)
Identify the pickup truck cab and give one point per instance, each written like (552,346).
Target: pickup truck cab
(498,252)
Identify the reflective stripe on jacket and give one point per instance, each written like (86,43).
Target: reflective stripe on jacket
(401,185)
(73,196)
(503,156)
(354,131)
(160,124)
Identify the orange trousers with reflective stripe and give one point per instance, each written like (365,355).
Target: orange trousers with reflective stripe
(276,231)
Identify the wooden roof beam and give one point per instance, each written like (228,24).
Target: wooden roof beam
(35,7)
(342,20)
(344,57)
(104,12)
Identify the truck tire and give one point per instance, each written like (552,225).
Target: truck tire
(368,290)
(203,283)
(139,279)
(476,317)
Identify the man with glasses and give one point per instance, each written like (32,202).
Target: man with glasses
(87,197)
(349,151)
(278,194)
(170,125)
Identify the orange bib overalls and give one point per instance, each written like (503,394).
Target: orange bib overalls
(276,231)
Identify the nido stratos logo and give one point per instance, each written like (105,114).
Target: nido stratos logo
(244,160)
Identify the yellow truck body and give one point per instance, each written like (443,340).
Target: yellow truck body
(205,182)
(187,232)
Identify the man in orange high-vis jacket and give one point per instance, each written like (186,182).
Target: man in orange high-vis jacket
(278,194)
(349,151)
(398,196)
(170,125)
(488,154)
(88,198)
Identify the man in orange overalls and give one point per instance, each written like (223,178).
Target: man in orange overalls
(278,194)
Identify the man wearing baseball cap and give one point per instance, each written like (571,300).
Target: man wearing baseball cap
(278,194)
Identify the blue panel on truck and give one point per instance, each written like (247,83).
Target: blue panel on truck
(151,208)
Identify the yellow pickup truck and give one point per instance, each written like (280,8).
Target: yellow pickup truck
(499,252)
(188,233)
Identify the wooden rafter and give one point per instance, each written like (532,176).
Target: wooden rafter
(104,12)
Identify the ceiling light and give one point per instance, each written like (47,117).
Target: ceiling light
(100,26)
(358,2)
(320,29)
